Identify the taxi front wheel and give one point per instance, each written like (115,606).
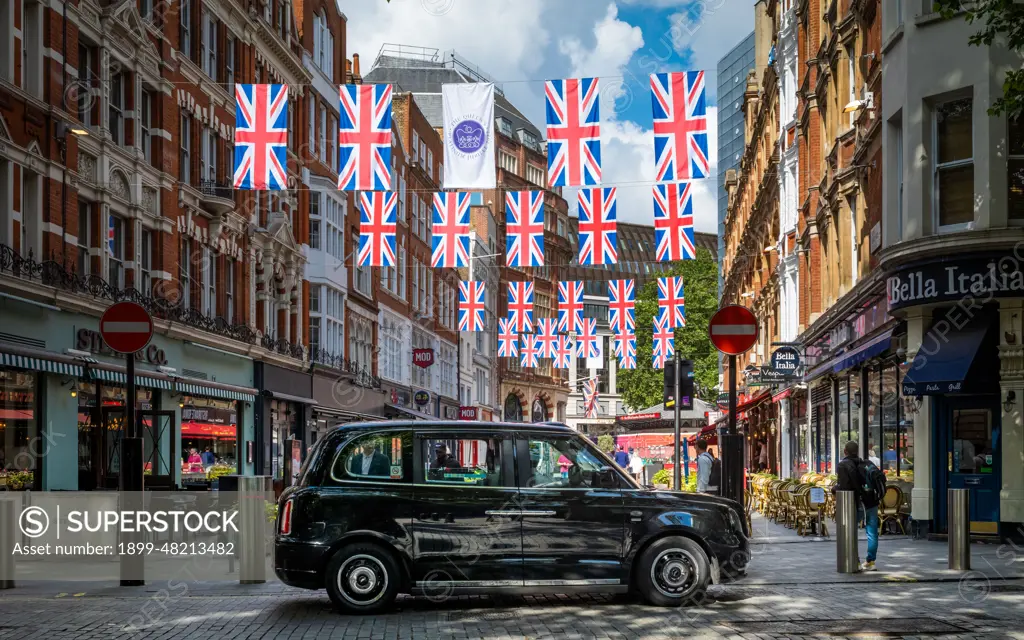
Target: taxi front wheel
(674,571)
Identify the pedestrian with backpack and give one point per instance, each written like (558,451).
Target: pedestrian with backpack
(709,470)
(867,482)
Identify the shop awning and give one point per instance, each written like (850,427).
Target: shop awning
(290,398)
(874,346)
(945,370)
(119,377)
(193,387)
(342,414)
(32,360)
(412,413)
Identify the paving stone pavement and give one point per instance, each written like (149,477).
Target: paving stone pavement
(792,591)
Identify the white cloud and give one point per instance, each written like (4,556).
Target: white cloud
(627,149)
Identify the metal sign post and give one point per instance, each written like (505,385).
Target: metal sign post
(677,457)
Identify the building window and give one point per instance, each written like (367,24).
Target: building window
(332,142)
(851,75)
(185,271)
(898,141)
(115,119)
(364,282)
(84,237)
(146,107)
(32,48)
(314,220)
(312,123)
(1016,168)
(852,205)
(208,46)
(536,175)
(229,66)
(115,249)
(185,27)
(208,160)
(415,146)
(508,162)
(86,60)
(209,283)
(147,262)
(323,134)
(229,290)
(335,229)
(505,126)
(184,158)
(954,163)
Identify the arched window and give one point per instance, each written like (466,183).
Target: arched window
(513,408)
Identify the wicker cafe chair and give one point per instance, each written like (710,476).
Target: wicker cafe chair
(748,499)
(889,509)
(774,509)
(829,508)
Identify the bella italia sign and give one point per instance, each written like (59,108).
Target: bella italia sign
(976,279)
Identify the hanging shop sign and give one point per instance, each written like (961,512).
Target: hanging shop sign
(423,357)
(786,361)
(467,413)
(974,278)
(421,398)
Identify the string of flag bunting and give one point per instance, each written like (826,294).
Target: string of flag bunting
(574,160)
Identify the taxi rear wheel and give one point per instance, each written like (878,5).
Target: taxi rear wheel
(674,571)
(362,578)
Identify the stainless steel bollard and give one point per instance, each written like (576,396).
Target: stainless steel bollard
(958,523)
(253,528)
(847,559)
(8,538)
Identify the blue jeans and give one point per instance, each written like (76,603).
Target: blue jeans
(871,528)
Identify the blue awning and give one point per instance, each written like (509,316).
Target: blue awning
(945,370)
(875,346)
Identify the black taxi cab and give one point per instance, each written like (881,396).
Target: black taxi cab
(443,508)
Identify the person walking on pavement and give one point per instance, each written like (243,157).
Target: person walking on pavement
(636,465)
(709,470)
(857,475)
(621,458)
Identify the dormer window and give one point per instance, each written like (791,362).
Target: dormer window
(505,126)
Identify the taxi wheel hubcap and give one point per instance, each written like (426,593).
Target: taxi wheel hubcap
(362,579)
(674,573)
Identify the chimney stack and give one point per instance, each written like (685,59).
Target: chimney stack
(357,77)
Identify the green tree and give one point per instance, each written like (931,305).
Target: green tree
(605,443)
(1002,23)
(644,386)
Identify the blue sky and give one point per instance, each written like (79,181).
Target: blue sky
(521,43)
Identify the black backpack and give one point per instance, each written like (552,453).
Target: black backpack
(715,478)
(873,482)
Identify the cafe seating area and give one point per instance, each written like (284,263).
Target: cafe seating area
(808,505)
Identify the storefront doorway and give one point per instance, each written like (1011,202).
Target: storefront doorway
(158,447)
(968,457)
(99,447)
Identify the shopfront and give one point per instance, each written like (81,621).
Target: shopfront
(63,399)
(342,397)
(962,387)
(284,414)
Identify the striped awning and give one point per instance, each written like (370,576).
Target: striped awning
(39,364)
(213,392)
(118,377)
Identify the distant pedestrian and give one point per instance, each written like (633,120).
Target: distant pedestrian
(208,458)
(763,458)
(709,469)
(636,465)
(621,457)
(859,476)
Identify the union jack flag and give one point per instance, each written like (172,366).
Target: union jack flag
(621,306)
(590,404)
(520,305)
(530,351)
(680,126)
(624,346)
(261,137)
(598,226)
(364,138)
(508,340)
(377,229)
(547,337)
(673,221)
(570,306)
(563,352)
(663,347)
(574,132)
(672,301)
(586,342)
(111,235)
(450,237)
(471,306)
(524,229)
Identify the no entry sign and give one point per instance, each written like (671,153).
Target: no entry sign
(126,327)
(733,330)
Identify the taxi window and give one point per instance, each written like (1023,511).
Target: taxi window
(558,462)
(472,461)
(384,456)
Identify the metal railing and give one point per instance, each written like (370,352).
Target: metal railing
(165,305)
(216,189)
(361,375)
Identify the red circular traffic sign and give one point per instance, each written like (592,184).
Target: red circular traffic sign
(126,327)
(733,330)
